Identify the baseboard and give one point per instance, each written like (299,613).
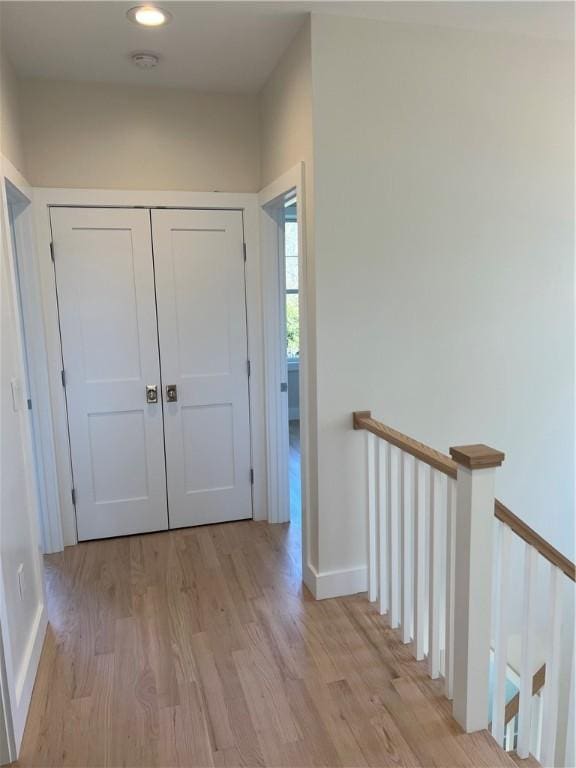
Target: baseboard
(349,581)
(27,676)
(309,578)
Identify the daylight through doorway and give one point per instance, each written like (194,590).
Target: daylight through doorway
(293,353)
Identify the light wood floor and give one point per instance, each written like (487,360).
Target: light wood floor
(199,647)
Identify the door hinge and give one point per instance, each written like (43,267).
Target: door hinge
(251,477)
(51,250)
(244,250)
(29,404)
(73,494)
(284,386)
(63,377)
(248,368)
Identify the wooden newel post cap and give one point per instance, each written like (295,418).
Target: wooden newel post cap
(477,456)
(357,416)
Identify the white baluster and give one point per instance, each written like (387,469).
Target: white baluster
(434,578)
(382,449)
(450,569)
(371,495)
(405,530)
(418,509)
(393,537)
(509,736)
(442,501)
(526,660)
(538,703)
(551,689)
(425,492)
(501,634)
(570,747)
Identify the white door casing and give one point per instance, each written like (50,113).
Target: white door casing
(105,283)
(200,287)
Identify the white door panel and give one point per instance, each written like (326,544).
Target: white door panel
(199,266)
(105,281)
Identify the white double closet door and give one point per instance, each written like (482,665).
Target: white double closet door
(153,326)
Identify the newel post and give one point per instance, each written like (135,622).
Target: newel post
(473,582)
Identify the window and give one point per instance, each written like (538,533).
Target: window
(292,299)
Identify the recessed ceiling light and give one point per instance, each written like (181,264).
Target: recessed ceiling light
(149,16)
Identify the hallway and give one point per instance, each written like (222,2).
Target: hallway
(199,647)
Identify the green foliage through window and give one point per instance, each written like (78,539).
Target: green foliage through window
(292,326)
(291,258)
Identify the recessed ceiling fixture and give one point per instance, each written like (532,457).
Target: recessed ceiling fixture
(145,60)
(149,16)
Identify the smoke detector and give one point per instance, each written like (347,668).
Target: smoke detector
(145,60)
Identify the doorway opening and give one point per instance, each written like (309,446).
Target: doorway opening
(292,351)
(285,309)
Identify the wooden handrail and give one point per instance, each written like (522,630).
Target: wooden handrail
(513,706)
(443,463)
(436,459)
(534,540)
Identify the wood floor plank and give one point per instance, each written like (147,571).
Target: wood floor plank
(201,647)
(375,743)
(265,695)
(213,692)
(185,737)
(320,748)
(102,713)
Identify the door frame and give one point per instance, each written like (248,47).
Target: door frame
(272,238)
(19,214)
(17,680)
(247,203)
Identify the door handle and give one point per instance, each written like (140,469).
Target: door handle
(171,393)
(151,393)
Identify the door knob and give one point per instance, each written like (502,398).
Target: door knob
(171,393)
(151,393)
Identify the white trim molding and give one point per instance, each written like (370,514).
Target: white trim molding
(272,240)
(27,674)
(349,581)
(24,275)
(21,663)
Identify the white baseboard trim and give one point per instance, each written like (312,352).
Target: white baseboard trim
(309,578)
(349,581)
(27,676)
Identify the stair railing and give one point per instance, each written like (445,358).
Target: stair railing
(540,558)
(431,524)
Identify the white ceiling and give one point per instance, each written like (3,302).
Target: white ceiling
(205,47)
(227,47)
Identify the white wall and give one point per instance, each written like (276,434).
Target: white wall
(286,139)
(285,105)
(444,261)
(104,136)
(11,144)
